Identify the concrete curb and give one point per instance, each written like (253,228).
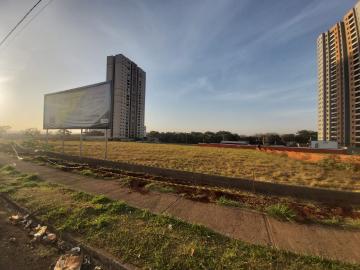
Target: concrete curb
(107,260)
(302,192)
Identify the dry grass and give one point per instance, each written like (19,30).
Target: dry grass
(241,163)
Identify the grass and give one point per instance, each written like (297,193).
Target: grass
(227,202)
(243,163)
(8,170)
(157,187)
(87,172)
(146,240)
(281,211)
(301,211)
(354,223)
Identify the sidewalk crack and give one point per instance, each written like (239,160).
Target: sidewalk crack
(267,227)
(171,204)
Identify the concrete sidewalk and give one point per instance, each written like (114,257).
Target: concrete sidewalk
(245,225)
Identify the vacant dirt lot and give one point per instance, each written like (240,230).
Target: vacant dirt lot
(329,172)
(316,157)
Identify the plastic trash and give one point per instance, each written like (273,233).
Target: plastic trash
(69,262)
(14,219)
(75,250)
(50,238)
(40,232)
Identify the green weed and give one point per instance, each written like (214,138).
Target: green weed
(8,170)
(30,178)
(354,223)
(227,202)
(281,211)
(160,188)
(81,196)
(87,172)
(100,199)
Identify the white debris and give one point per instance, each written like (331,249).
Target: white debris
(40,232)
(75,250)
(69,262)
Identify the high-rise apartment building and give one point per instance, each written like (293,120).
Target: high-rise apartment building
(339,81)
(129,97)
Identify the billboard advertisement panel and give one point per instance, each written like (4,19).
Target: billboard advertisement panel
(87,107)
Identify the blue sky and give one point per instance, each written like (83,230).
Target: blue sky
(245,66)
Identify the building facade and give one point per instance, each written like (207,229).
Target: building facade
(129,82)
(339,81)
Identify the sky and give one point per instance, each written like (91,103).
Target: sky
(239,65)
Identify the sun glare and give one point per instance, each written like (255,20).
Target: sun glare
(2,95)
(3,83)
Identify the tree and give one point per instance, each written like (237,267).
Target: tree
(288,138)
(272,139)
(305,136)
(32,133)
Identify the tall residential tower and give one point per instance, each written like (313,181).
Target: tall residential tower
(339,81)
(129,97)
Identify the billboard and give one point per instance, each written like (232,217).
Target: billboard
(87,107)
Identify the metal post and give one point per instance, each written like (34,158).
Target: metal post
(63,141)
(106,143)
(47,138)
(81,139)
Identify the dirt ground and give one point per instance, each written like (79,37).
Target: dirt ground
(16,252)
(316,157)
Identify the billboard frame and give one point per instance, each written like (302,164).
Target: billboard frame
(109,126)
(111,101)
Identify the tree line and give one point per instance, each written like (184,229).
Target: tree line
(302,137)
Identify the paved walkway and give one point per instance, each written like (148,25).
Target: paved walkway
(245,225)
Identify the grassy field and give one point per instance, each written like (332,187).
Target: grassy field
(328,173)
(143,239)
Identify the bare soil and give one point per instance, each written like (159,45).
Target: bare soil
(16,252)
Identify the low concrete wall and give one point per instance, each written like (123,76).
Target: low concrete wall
(302,192)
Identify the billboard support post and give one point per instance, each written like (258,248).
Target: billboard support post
(81,140)
(63,141)
(106,143)
(47,137)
